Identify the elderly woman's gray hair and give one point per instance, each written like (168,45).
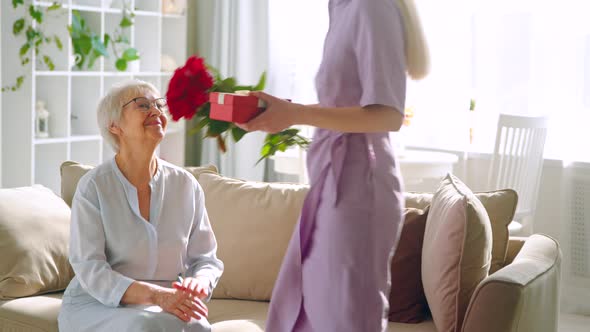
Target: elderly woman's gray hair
(109,107)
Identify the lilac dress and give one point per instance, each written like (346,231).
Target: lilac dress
(335,274)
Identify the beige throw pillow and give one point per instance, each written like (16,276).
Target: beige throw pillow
(456,255)
(500,206)
(34,238)
(253,223)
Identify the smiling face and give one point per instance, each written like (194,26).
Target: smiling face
(143,119)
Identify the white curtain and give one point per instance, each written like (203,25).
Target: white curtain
(527,57)
(232,36)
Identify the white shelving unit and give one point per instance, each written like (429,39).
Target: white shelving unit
(71,95)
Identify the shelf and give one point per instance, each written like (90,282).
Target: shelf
(98,73)
(146,13)
(71,95)
(173,16)
(81,6)
(85,138)
(77,138)
(50,140)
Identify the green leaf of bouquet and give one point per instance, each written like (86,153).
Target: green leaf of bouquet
(261,82)
(18,26)
(121,64)
(243,87)
(283,147)
(131,54)
(275,139)
(238,133)
(205,109)
(217,127)
(290,132)
(265,149)
(125,22)
(202,123)
(229,84)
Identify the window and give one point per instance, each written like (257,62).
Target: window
(528,57)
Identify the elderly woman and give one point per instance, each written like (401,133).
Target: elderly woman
(138,224)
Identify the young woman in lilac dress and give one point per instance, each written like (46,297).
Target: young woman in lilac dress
(335,274)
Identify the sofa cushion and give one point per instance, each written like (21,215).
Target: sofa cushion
(253,223)
(500,206)
(407,302)
(237,315)
(34,236)
(71,172)
(456,255)
(35,313)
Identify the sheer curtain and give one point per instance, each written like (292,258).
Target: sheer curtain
(233,37)
(519,56)
(527,57)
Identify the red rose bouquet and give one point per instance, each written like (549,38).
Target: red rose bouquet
(188,96)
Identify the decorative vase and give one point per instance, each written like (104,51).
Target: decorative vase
(41,120)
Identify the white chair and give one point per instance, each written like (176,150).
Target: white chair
(517,164)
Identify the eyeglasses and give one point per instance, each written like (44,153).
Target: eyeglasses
(145,105)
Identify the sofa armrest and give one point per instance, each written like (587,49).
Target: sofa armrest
(515,244)
(522,296)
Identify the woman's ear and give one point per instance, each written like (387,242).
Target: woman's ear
(114,129)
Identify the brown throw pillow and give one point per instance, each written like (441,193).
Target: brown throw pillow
(407,302)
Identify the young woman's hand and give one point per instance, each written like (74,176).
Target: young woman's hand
(181,304)
(198,286)
(279,114)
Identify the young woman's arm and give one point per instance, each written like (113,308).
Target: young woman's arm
(281,114)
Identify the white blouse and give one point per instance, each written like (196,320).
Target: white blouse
(111,244)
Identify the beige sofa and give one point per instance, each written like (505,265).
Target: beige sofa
(253,223)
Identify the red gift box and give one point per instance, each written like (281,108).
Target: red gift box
(234,107)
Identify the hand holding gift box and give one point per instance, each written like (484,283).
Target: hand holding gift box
(238,107)
(219,103)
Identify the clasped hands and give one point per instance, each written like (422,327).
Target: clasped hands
(185,298)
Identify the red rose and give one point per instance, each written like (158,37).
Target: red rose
(188,89)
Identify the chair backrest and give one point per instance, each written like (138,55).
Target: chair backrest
(518,158)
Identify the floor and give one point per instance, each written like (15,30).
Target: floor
(574,323)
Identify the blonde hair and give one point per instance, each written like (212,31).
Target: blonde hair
(109,107)
(417,55)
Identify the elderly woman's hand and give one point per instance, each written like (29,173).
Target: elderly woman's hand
(181,304)
(198,286)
